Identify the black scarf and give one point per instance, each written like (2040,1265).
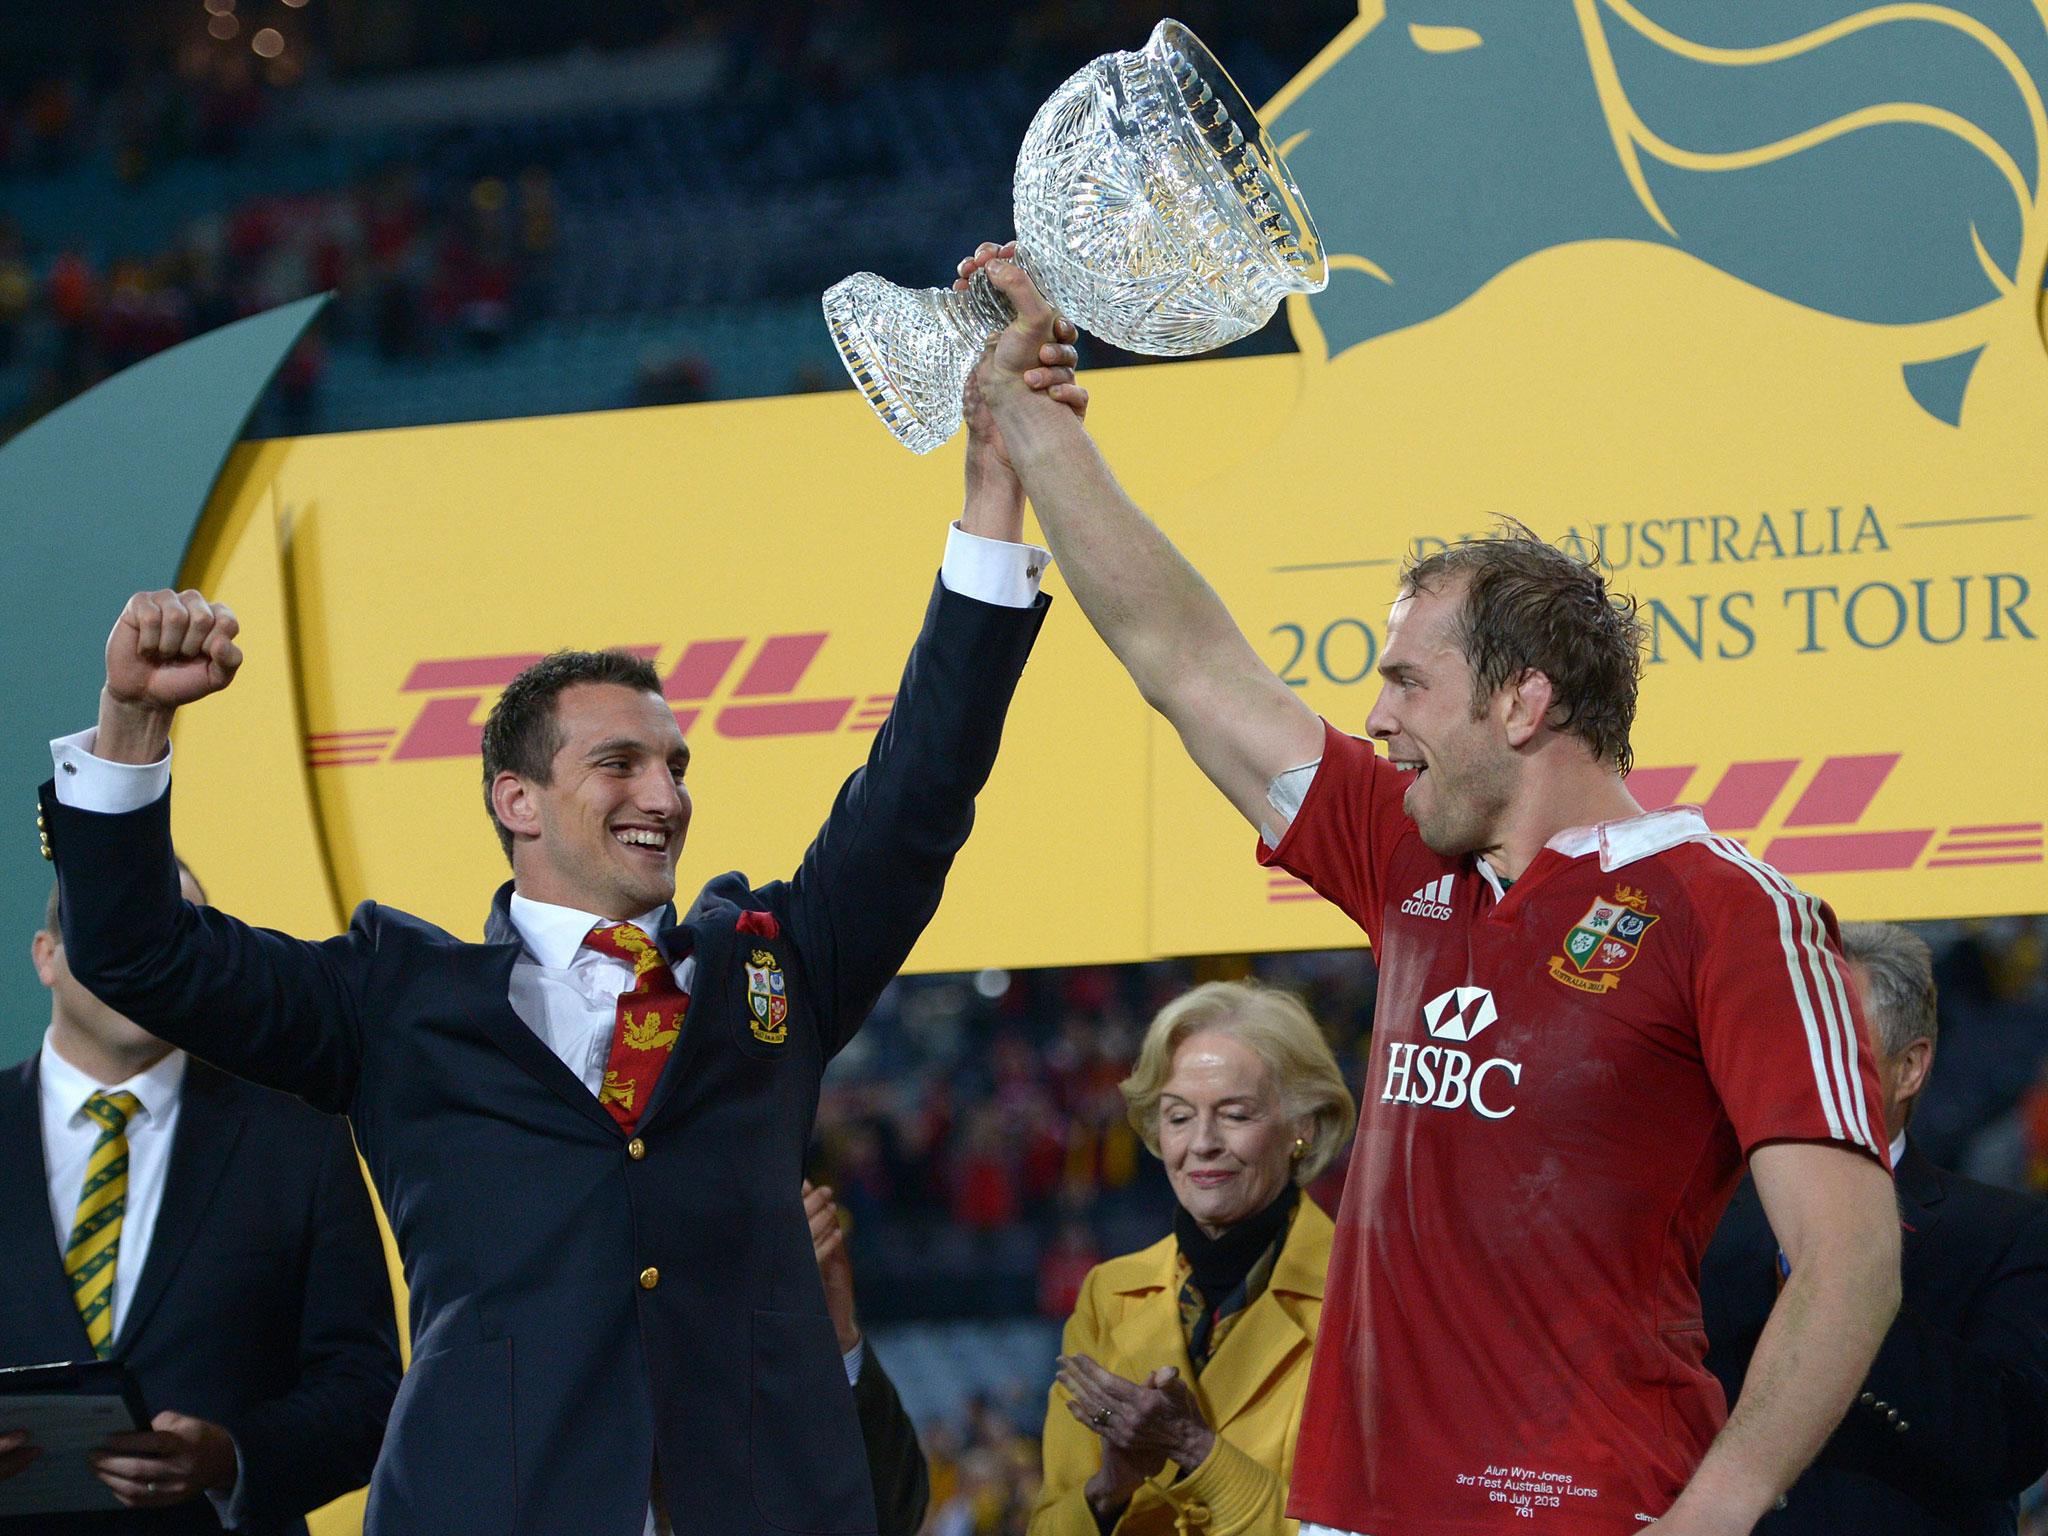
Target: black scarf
(1220,1263)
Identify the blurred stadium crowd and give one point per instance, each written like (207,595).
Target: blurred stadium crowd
(528,208)
(536,211)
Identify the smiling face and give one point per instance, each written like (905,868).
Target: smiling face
(1223,1132)
(604,834)
(1463,768)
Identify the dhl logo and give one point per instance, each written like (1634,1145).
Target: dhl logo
(762,702)
(1821,833)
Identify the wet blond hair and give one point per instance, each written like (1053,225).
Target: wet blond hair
(1275,1027)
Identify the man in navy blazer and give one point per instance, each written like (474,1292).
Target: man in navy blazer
(249,1295)
(613,1332)
(1952,1422)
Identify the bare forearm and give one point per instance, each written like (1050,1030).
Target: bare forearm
(1152,608)
(1815,1350)
(130,733)
(994,503)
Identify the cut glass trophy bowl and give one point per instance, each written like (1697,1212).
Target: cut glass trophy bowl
(1152,210)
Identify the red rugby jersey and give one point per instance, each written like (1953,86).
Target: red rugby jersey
(1565,1079)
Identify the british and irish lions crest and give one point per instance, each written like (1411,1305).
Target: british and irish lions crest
(1151,208)
(767,998)
(1603,942)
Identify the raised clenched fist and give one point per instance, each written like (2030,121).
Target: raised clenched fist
(170,648)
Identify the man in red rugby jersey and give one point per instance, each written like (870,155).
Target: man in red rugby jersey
(1588,1020)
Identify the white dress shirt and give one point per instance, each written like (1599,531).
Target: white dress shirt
(564,993)
(567,994)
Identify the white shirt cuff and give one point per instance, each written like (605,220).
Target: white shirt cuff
(853,1360)
(227,1506)
(88,783)
(993,570)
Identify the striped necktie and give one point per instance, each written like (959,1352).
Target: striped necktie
(96,1230)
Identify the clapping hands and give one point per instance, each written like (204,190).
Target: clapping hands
(1142,1425)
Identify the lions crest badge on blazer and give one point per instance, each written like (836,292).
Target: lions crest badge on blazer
(767,998)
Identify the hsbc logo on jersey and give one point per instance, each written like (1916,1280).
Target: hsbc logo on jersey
(1459,1014)
(1443,1076)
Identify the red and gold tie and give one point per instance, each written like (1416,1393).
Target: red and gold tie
(650,1018)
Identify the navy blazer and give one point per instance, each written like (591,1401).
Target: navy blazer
(1952,1423)
(896,1465)
(263,1304)
(588,1307)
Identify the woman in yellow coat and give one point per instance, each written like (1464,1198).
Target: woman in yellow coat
(1184,1365)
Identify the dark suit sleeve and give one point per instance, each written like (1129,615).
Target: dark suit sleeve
(1738,1287)
(320,1439)
(895,1460)
(276,1010)
(1975,1404)
(871,879)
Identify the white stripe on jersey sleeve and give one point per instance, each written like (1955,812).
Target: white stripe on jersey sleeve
(1834,998)
(1838,981)
(1830,990)
(1739,857)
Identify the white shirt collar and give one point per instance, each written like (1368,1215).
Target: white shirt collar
(553,935)
(1630,838)
(1898,1150)
(65,1088)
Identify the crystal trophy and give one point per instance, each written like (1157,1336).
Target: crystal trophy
(1152,210)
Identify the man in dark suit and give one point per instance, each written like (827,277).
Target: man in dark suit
(589,1130)
(896,1465)
(217,1240)
(1952,1423)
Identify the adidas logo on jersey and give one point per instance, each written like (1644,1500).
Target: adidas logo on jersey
(1433,900)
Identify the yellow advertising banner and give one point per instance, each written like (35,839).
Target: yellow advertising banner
(1752,316)
(1842,601)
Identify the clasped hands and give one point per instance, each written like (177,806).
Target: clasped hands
(1034,354)
(177,1458)
(1142,1425)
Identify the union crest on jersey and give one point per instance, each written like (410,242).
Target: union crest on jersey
(1603,942)
(767,998)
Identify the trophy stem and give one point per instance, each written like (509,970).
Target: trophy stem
(980,313)
(910,350)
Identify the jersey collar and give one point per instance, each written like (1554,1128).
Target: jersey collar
(1630,838)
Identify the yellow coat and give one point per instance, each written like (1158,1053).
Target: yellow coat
(1128,1319)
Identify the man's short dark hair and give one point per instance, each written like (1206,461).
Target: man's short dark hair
(523,734)
(1530,607)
